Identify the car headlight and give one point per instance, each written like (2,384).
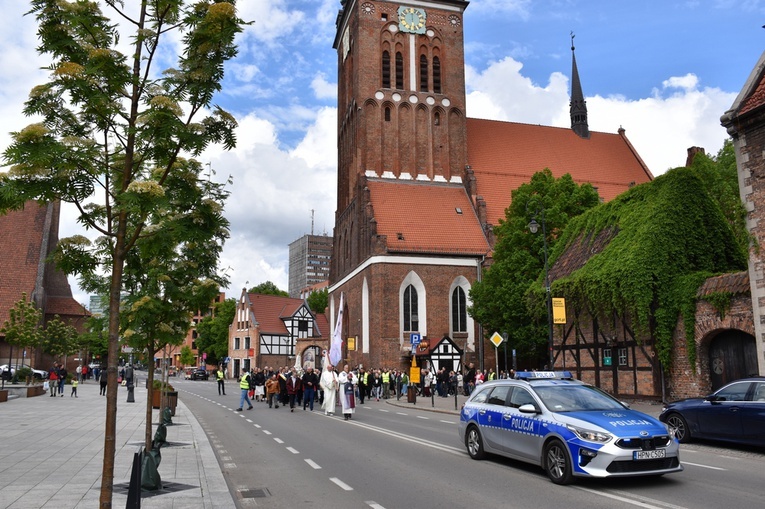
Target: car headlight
(590,435)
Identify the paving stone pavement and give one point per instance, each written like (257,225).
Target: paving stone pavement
(51,454)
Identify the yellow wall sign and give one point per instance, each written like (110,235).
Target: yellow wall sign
(559,310)
(351,343)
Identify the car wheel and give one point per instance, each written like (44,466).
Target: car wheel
(474,443)
(556,463)
(678,424)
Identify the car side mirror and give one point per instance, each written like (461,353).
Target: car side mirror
(713,399)
(528,408)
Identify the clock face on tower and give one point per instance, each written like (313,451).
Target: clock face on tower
(412,20)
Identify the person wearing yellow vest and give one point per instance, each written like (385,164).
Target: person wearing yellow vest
(244,385)
(386,384)
(219,376)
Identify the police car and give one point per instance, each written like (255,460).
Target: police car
(567,427)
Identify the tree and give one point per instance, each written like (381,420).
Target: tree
(113,133)
(318,301)
(212,331)
(499,299)
(22,328)
(60,339)
(187,356)
(268,288)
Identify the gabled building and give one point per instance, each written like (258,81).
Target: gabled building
(29,237)
(421,186)
(270,330)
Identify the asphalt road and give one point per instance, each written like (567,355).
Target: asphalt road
(388,457)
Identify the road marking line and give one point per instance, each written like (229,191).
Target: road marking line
(703,466)
(229,465)
(225,458)
(373,504)
(649,504)
(423,417)
(383,410)
(257,426)
(313,464)
(266,432)
(340,483)
(249,420)
(419,441)
(401,413)
(293,450)
(448,422)
(278,440)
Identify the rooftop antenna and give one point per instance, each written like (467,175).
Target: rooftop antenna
(312,211)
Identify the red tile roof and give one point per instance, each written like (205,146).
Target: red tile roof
(422,217)
(504,155)
(269,311)
(735,283)
(756,99)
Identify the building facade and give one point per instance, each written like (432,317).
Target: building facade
(421,185)
(310,256)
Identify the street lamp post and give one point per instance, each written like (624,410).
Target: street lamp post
(534,228)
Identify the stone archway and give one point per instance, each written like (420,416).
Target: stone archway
(732,355)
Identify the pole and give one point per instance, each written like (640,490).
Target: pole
(551,364)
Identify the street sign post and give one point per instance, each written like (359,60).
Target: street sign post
(496,340)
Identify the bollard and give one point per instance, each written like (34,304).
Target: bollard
(134,489)
(167,418)
(130,387)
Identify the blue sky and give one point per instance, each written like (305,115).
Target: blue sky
(664,70)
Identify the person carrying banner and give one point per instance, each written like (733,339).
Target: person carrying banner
(328,382)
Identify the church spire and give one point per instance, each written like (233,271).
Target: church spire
(578,106)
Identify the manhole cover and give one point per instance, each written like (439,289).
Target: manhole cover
(255,493)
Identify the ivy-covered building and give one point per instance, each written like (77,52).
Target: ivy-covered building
(629,268)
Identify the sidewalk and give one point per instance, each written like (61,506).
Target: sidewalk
(446,405)
(51,453)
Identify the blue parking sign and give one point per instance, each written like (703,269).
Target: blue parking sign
(415,338)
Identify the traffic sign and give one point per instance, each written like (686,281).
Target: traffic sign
(496,339)
(415,338)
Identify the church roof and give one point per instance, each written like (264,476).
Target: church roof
(504,155)
(426,218)
(751,97)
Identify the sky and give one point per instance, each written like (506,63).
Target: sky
(663,70)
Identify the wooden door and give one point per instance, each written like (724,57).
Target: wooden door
(732,355)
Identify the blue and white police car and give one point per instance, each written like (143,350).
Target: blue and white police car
(567,427)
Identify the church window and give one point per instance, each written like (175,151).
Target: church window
(437,119)
(399,71)
(387,114)
(459,310)
(411,319)
(436,75)
(386,69)
(423,73)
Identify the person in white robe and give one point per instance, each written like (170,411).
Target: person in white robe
(328,383)
(347,382)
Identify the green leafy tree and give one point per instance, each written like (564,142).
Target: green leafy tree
(212,331)
(113,133)
(499,299)
(268,288)
(60,339)
(318,301)
(22,329)
(187,356)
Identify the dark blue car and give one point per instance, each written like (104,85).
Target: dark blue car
(734,413)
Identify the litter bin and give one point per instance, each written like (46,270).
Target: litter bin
(411,394)
(172,401)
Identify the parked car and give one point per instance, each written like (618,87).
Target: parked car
(37,373)
(569,428)
(187,373)
(735,413)
(172,371)
(200,374)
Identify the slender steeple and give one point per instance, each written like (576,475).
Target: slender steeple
(578,106)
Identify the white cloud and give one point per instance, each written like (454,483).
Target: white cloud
(322,89)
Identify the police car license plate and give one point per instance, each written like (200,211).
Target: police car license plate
(649,455)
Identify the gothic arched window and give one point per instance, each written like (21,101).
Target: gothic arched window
(399,71)
(423,73)
(386,69)
(459,310)
(411,318)
(436,75)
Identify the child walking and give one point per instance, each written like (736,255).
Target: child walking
(74,388)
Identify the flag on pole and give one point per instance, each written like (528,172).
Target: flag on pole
(336,349)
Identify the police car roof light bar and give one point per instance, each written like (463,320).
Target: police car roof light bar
(544,375)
